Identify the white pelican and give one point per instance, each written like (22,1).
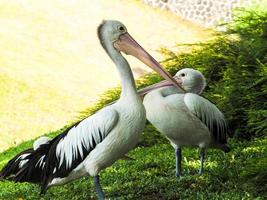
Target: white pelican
(99,140)
(186,119)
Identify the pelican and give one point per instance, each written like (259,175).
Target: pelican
(96,142)
(186,119)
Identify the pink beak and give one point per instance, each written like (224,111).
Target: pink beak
(128,45)
(160,84)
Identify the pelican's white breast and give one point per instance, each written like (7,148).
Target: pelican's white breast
(171,117)
(123,137)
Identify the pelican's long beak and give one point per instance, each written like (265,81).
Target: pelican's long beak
(128,45)
(142,92)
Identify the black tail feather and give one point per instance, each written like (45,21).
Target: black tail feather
(32,171)
(13,166)
(40,165)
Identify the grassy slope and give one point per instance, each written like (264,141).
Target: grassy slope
(50,54)
(239,174)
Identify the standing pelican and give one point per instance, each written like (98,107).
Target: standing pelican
(186,119)
(99,140)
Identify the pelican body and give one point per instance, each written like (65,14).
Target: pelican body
(98,141)
(186,119)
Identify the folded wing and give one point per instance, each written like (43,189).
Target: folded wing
(209,114)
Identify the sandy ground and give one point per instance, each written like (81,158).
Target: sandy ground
(51,63)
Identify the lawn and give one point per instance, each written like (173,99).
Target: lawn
(240,174)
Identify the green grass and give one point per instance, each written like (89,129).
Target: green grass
(240,174)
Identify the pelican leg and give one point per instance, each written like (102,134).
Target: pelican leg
(98,188)
(178,156)
(202,156)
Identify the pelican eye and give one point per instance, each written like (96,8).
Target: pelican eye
(121,28)
(183,74)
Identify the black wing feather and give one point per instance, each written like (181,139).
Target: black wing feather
(12,167)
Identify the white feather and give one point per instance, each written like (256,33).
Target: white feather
(83,135)
(42,140)
(41,162)
(22,159)
(206,110)
(23,162)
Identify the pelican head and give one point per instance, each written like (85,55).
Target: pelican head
(191,80)
(115,39)
(110,31)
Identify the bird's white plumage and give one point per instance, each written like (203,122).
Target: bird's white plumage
(125,125)
(41,140)
(175,120)
(118,138)
(41,162)
(192,80)
(22,160)
(95,127)
(205,110)
(187,119)
(22,163)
